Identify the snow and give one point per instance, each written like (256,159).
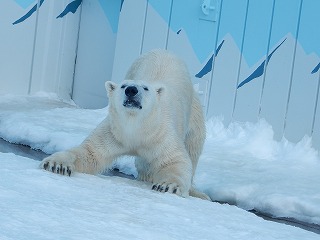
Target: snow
(241,164)
(45,122)
(40,205)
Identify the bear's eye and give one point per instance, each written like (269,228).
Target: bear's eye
(123,86)
(146,89)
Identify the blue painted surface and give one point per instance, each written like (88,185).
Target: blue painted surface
(28,14)
(71,7)
(230,11)
(206,69)
(309,36)
(257,30)
(161,8)
(208,66)
(257,9)
(185,15)
(24,3)
(316,69)
(112,10)
(260,70)
(219,47)
(121,5)
(285,23)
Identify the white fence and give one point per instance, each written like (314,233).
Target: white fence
(37,49)
(249,59)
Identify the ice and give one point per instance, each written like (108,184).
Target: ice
(241,164)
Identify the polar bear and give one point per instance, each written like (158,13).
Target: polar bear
(154,115)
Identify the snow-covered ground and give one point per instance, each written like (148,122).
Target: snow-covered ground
(241,164)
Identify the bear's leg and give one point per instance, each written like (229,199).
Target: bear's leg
(196,133)
(79,159)
(194,141)
(94,155)
(143,168)
(173,174)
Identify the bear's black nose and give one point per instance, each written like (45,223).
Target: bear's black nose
(131,91)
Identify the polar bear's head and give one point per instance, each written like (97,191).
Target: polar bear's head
(133,96)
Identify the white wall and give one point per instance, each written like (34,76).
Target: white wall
(16,48)
(263,54)
(248,59)
(96,50)
(55,49)
(37,54)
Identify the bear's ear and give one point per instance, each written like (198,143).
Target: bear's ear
(110,87)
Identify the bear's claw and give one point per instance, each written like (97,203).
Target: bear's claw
(45,166)
(57,168)
(167,187)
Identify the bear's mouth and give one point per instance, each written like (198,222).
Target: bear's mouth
(131,103)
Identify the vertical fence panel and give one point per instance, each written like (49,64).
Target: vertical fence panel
(55,49)
(193,37)
(279,67)
(254,51)
(316,125)
(17,31)
(96,46)
(156,26)
(129,37)
(182,25)
(303,94)
(227,59)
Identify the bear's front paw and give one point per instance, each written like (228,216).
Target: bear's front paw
(170,187)
(56,165)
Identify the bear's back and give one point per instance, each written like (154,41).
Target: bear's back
(159,66)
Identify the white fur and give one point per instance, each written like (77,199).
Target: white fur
(165,132)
